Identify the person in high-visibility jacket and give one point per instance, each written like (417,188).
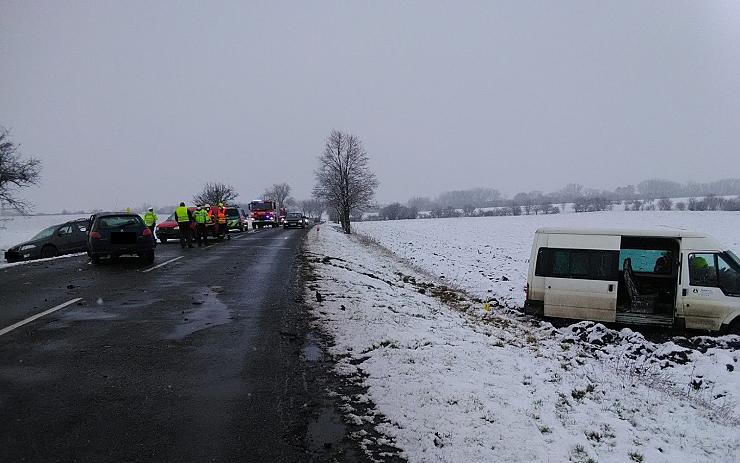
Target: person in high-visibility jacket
(184,218)
(201,218)
(150,220)
(223,225)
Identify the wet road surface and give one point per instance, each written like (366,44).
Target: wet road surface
(206,355)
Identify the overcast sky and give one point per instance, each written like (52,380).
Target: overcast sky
(129,102)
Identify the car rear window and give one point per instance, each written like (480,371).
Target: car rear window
(119,221)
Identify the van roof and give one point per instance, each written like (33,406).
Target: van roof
(662,233)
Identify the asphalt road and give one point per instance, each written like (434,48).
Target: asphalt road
(209,357)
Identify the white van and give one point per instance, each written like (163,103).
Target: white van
(642,277)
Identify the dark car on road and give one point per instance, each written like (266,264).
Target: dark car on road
(294,219)
(65,238)
(113,234)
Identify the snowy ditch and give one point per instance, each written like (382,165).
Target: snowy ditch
(443,379)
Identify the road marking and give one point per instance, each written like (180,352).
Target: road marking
(38,315)
(162,264)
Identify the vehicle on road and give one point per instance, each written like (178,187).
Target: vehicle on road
(170,229)
(264,213)
(64,238)
(236,219)
(114,234)
(294,219)
(639,277)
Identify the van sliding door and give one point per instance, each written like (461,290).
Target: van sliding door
(581,276)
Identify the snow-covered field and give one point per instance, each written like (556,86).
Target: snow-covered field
(489,256)
(451,381)
(16,229)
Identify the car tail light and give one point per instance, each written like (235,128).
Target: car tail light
(95,235)
(146,232)
(526,291)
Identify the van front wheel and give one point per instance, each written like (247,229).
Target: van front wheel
(734,327)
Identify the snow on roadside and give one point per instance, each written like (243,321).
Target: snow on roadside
(466,385)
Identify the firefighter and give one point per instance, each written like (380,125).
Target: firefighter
(184,217)
(213,218)
(222,222)
(150,220)
(201,217)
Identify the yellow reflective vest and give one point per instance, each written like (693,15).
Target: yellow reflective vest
(182,214)
(201,216)
(150,218)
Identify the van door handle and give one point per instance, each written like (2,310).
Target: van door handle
(683,292)
(611,288)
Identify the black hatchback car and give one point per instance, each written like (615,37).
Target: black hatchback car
(114,234)
(294,219)
(64,238)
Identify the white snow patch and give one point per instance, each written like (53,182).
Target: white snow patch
(468,385)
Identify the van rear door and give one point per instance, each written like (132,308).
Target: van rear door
(581,276)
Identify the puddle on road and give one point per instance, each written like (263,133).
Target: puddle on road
(311,349)
(207,312)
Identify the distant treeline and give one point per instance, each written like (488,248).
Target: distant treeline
(648,189)
(654,194)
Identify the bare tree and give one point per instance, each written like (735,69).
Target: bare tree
(279,192)
(214,193)
(312,207)
(665,204)
(343,179)
(15,173)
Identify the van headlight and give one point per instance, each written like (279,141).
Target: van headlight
(27,247)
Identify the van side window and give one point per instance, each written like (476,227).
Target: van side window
(703,270)
(715,270)
(582,264)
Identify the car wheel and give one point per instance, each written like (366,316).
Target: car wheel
(49,251)
(162,239)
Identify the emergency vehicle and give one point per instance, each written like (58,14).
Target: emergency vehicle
(264,213)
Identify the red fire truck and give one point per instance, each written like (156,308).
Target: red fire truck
(264,213)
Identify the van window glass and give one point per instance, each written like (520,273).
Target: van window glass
(647,260)
(702,270)
(582,264)
(579,264)
(728,275)
(560,263)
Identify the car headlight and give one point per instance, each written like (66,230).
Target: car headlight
(26,247)
(176,227)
